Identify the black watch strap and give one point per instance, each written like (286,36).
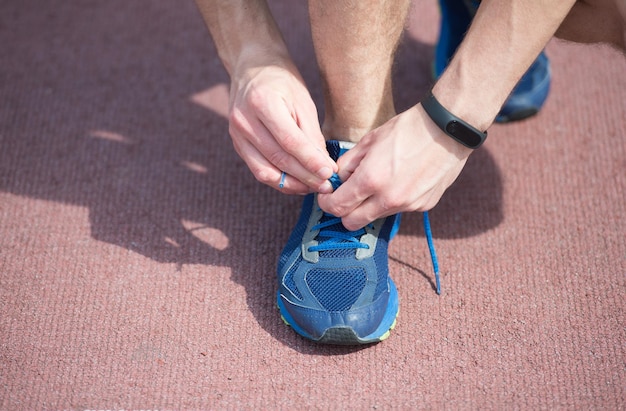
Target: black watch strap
(453,126)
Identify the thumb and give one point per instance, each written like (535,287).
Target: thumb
(349,162)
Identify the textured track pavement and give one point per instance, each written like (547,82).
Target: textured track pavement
(137,253)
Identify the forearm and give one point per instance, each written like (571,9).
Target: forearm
(503,41)
(244,32)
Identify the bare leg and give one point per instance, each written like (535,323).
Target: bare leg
(355,43)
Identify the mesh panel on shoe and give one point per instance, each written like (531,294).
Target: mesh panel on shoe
(337,290)
(349,252)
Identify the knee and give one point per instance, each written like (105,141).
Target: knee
(595,21)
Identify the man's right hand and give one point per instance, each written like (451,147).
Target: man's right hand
(272,118)
(274,127)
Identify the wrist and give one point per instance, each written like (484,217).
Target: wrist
(253,61)
(452,125)
(244,32)
(471,103)
(423,121)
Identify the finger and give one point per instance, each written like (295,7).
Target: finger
(368,211)
(284,127)
(349,162)
(348,196)
(308,121)
(265,172)
(289,185)
(254,133)
(310,126)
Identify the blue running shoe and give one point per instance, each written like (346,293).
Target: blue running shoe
(334,284)
(529,94)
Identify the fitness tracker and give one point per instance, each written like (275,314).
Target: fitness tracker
(452,125)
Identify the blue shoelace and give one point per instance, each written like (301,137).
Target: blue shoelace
(337,240)
(431,248)
(341,239)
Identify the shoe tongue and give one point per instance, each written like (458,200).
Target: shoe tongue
(332,146)
(337,148)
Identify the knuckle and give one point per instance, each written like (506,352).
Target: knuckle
(392,202)
(423,204)
(263,175)
(431,203)
(419,207)
(337,210)
(352,223)
(279,159)
(289,143)
(372,184)
(323,202)
(256,99)
(236,121)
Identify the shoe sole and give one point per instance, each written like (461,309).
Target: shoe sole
(343,335)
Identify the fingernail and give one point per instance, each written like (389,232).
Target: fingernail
(325,173)
(326,188)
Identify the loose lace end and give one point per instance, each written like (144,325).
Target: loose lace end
(431,248)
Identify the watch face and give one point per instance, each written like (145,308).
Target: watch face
(464,134)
